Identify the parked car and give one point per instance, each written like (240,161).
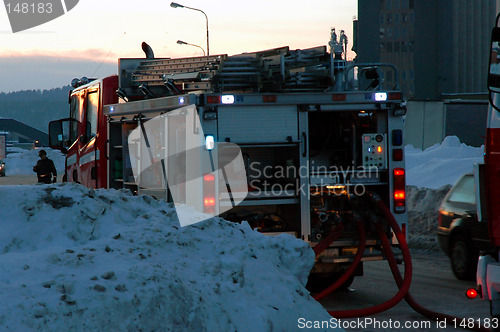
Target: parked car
(460,234)
(2,168)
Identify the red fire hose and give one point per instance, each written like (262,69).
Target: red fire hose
(332,237)
(403,283)
(359,254)
(405,286)
(399,280)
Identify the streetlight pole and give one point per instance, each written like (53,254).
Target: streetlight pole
(180,42)
(176,5)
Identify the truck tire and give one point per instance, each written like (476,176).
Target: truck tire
(462,259)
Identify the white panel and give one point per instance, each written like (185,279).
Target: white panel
(257,124)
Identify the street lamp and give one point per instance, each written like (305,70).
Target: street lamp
(180,42)
(176,5)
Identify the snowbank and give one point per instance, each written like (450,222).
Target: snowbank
(423,206)
(441,164)
(80,260)
(20,161)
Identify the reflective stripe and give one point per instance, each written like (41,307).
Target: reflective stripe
(70,160)
(89,157)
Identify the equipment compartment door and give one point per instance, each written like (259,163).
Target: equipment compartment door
(262,124)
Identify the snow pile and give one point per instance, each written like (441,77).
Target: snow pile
(77,259)
(423,206)
(20,161)
(441,164)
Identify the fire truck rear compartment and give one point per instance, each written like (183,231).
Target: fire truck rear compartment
(335,173)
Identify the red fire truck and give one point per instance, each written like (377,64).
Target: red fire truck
(488,184)
(338,126)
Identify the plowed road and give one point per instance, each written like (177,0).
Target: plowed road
(434,286)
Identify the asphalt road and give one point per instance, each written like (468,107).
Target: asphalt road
(433,286)
(21,179)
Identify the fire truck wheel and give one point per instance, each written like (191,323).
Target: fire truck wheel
(462,259)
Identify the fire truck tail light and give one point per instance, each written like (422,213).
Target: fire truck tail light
(399,172)
(269,98)
(399,195)
(209,201)
(209,193)
(339,97)
(213,99)
(209,177)
(399,185)
(397,154)
(394,96)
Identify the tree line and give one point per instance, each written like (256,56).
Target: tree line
(35,108)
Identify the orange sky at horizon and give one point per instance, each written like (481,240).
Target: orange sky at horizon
(101,32)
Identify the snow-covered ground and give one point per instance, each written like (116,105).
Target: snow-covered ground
(440,164)
(20,161)
(75,259)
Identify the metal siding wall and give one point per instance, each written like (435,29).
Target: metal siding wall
(424,123)
(467,121)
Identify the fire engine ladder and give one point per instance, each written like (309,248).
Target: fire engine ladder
(266,71)
(188,73)
(307,70)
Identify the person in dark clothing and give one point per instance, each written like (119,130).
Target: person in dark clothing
(45,168)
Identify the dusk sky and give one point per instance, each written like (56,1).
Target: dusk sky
(88,39)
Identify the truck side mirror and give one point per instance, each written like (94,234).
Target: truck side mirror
(56,140)
(58,134)
(494,66)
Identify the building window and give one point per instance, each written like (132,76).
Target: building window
(389,18)
(404,46)
(410,46)
(411,4)
(396,46)
(396,18)
(412,75)
(389,33)
(382,46)
(388,47)
(395,33)
(389,4)
(382,35)
(404,18)
(403,75)
(382,19)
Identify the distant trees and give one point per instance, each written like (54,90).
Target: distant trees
(35,107)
